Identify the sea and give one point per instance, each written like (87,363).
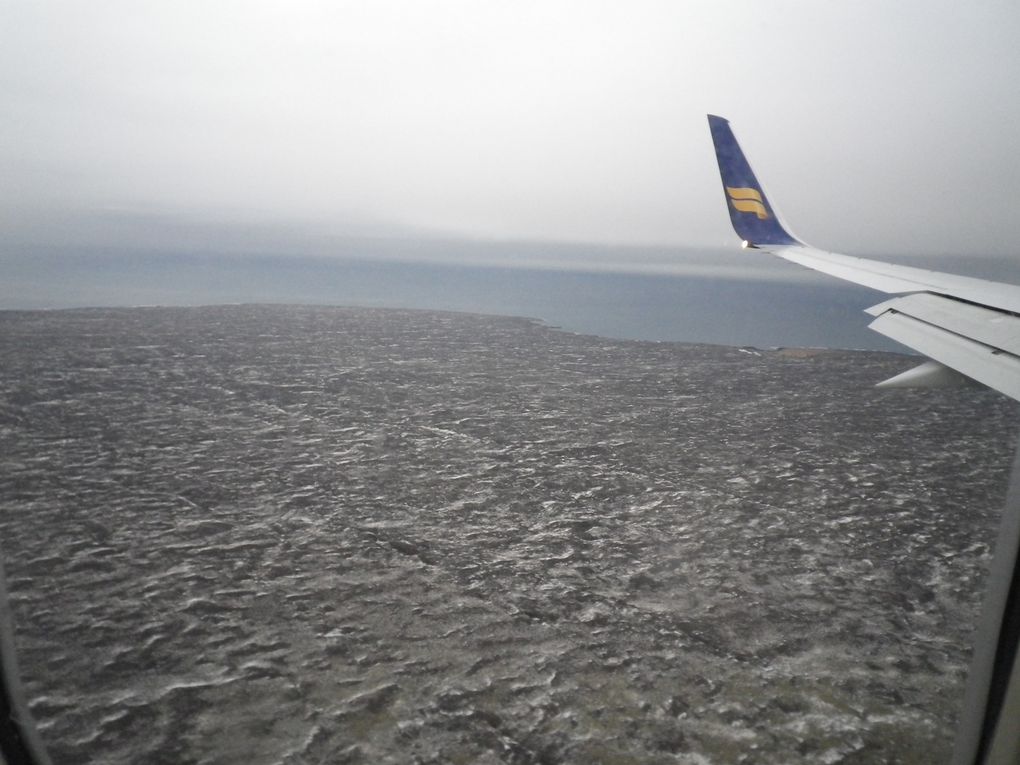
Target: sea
(741,309)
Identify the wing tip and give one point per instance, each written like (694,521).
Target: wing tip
(752,216)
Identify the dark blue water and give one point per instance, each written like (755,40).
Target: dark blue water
(632,306)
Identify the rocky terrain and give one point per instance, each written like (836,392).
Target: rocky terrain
(270,534)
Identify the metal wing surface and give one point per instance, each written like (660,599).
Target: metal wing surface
(964,324)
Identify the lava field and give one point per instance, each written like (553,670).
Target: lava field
(294,535)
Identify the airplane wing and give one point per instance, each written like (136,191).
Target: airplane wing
(964,324)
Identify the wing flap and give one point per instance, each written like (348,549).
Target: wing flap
(995,329)
(946,340)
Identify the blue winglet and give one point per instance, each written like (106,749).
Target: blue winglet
(753,217)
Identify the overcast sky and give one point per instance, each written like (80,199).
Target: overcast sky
(877,127)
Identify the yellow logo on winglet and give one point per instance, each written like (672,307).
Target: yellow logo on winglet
(748,200)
